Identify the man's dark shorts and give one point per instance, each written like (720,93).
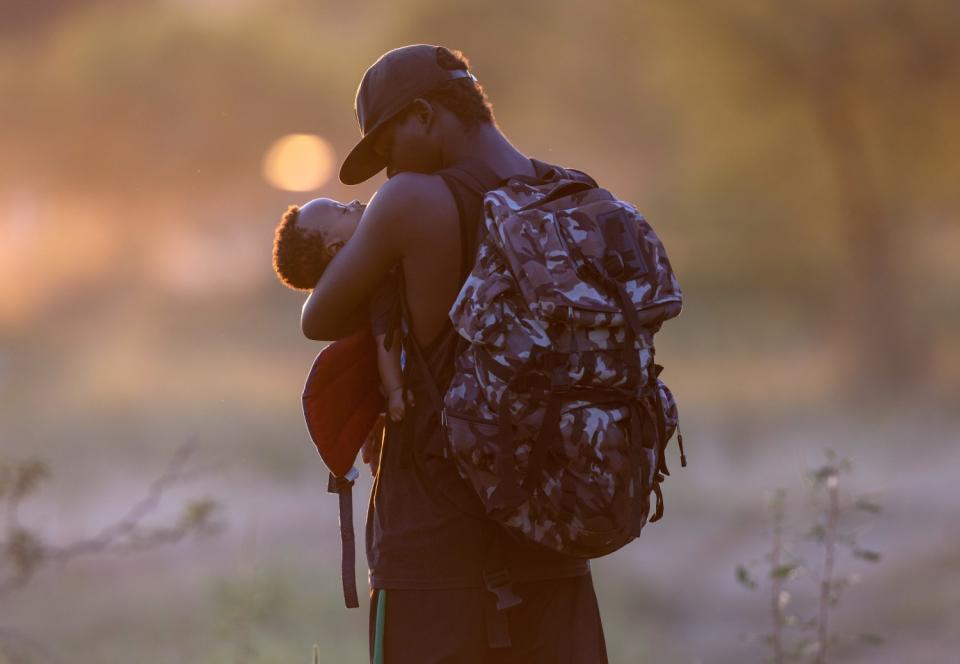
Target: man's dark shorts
(558,622)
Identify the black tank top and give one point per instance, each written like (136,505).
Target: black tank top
(415,539)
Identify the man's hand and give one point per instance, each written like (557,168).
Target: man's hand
(370,452)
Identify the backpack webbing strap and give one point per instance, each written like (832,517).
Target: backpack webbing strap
(661,418)
(498,627)
(343,487)
(512,489)
(638,457)
(638,468)
(656,489)
(497,581)
(683,457)
(548,436)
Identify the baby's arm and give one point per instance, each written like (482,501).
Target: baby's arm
(391,377)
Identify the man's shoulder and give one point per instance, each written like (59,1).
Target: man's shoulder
(415,193)
(408,205)
(409,208)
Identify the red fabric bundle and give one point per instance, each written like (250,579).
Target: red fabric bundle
(341,399)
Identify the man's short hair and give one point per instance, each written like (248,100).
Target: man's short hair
(464,97)
(299,256)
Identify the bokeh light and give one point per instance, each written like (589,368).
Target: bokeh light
(298,162)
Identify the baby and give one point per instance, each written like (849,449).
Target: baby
(305,241)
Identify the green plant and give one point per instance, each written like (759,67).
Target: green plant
(793,637)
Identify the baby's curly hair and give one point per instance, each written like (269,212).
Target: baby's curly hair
(299,256)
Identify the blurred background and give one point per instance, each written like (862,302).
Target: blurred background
(799,161)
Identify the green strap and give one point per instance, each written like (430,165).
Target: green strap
(378,634)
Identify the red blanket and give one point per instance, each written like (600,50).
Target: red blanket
(341,399)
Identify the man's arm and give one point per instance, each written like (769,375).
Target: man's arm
(338,304)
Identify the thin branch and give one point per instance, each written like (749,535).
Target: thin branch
(778,580)
(826,580)
(30,553)
(129,523)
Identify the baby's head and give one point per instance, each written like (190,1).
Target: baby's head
(309,236)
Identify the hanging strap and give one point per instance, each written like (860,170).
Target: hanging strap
(683,457)
(656,489)
(433,391)
(443,486)
(500,595)
(343,487)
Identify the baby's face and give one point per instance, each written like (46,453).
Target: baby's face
(337,221)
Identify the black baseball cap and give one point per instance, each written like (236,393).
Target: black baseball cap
(388,86)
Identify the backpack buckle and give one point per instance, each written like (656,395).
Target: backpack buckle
(560,379)
(337,484)
(498,582)
(613,264)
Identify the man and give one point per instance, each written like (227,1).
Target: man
(438,570)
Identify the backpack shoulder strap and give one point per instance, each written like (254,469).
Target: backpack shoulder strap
(574,174)
(477,176)
(553,172)
(474,175)
(544,170)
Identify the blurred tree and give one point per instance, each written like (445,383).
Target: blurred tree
(29,16)
(789,156)
(151,100)
(873,80)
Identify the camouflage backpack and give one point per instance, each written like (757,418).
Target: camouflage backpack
(555,414)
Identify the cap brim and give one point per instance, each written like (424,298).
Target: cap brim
(362,163)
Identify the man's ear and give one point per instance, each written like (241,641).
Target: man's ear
(423,110)
(333,246)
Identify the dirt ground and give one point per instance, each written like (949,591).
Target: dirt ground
(267,588)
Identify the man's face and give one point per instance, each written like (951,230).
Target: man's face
(411,142)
